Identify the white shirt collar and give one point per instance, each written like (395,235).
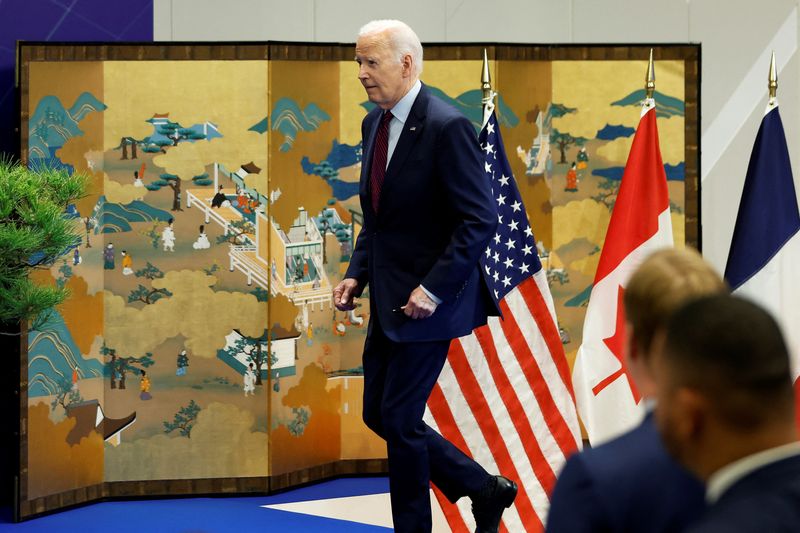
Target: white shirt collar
(402,108)
(725,477)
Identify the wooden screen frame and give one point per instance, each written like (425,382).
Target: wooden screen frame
(31,52)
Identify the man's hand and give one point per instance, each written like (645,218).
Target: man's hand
(343,294)
(419,305)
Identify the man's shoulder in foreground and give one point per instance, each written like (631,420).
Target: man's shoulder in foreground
(627,484)
(767,499)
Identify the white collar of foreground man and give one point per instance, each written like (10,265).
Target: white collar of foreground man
(402,108)
(725,477)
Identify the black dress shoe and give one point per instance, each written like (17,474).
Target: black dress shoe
(488,505)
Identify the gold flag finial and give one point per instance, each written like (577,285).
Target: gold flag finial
(486,87)
(650,80)
(773,79)
(486,82)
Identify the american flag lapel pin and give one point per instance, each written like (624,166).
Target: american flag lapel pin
(412,128)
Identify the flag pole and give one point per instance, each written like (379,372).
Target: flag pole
(773,81)
(486,87)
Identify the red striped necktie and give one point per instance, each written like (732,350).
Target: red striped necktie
(379,156)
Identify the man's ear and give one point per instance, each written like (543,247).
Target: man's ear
(408,64)
(694,411)
(656,350)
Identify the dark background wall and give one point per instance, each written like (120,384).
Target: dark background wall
(47,20)
(60,20)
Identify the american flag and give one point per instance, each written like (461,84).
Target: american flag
(505,394)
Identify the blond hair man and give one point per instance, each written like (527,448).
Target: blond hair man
(630,483)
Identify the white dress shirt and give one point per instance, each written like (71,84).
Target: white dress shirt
(725,477)
(400,113)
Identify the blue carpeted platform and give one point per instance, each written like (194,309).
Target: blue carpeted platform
(207,515)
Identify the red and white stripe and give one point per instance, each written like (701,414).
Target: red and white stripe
(608,402)
(505,398)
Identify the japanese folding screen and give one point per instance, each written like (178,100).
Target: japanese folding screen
(199,351)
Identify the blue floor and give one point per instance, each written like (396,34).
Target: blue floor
(207,515)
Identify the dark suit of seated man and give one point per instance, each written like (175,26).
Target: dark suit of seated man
(631,483)
(727,414)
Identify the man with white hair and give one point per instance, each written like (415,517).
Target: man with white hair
(428,215)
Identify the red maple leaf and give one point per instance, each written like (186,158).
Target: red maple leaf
(616,345)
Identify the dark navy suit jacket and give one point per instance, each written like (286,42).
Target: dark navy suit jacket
(766,500)
(436,217)
(627,484)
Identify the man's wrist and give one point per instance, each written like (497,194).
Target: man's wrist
(430,295)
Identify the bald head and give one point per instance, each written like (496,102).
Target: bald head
(731,352)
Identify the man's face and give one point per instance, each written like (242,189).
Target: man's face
(384,78)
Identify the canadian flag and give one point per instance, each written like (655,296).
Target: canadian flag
(608,401)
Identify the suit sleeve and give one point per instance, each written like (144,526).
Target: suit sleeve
(359,260)
(469,194)
(574,505)
(358,268)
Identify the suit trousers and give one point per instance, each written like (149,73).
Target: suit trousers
(398,378)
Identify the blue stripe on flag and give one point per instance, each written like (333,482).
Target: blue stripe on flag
(768,214)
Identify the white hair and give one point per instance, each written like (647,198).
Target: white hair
(402,40)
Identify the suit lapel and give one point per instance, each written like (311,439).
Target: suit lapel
(412,130)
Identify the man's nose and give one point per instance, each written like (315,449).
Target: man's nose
(362,73)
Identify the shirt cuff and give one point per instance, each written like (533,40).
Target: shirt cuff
(432,296)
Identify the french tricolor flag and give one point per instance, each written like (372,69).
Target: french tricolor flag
(764,260)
